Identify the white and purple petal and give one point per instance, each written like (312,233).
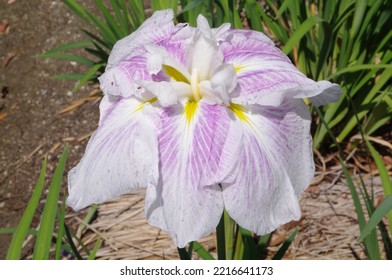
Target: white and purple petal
(265,75)
(272,168)
(120,157)
(188,201)
(131,59)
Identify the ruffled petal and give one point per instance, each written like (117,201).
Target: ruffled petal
(265,75)
(188,201)
(120,157)
(157,30)
(273,167)
(132,58)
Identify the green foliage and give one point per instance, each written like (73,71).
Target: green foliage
(103,32)
(368,236)
(346,41)
(15,248)
(52,232)
(236,243)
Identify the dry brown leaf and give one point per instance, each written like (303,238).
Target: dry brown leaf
(9,57)
(4,26)
(3,116)
(76,104)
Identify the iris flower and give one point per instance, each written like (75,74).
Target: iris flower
(205,119)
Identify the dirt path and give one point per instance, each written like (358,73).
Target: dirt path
(29,101)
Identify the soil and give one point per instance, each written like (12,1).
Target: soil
(30,125)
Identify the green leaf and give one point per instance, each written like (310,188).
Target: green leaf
(69,46)
(252,10)
(60,233)
(370,242)
(68,235)
(250,247)
(137,14)
(191,5)
(76,8)
(355,68)
(286,244)
(13,230)
(201,251)
(45,233)
(183,254)
(382,210)
(384,175)
(282,8)
(300,32)
(71,57)
(353,121)
(87,77)
(69,76)
(93,253)
(111,23)
(16,246)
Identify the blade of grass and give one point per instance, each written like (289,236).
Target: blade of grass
(384,78)
(201,251)
(382,210)
(238,246)
(183,254)
(13,230)
(93,70)
(68,235)
(45,233)
(69,76)
(300,32)
(253,14)
(229,235)
(385,179)
(94,251)
(286,244)
(138,14)
(250,249)
(71,57)
(370,242)
(111,23)
(16,246)
(60,233)
(87,219)
(69,46)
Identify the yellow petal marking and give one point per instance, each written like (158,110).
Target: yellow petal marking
(174,74)
(190,110)
(239,112)
(140,107)
(239,68)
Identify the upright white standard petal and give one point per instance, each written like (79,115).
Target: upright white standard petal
(188,201)
(120,157)
(273,166)
(204,54)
